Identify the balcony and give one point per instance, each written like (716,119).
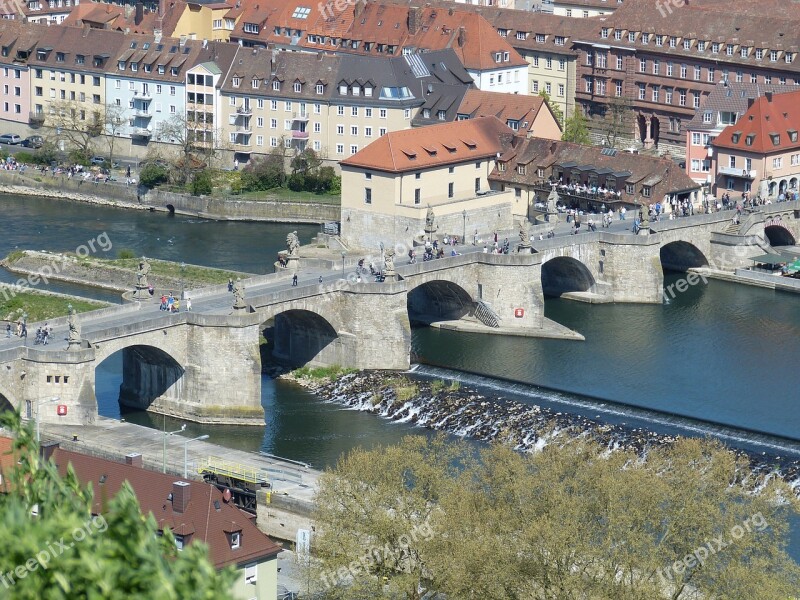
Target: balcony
(300,116)
(142,112)
(299,135)
(736,172)
(142,95)
(36,119)
(142,132)
(244,110)
(244,130)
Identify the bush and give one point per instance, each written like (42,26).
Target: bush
(202,184)
(153,175)
(79,157)
(297,182)
(126,253)
(26,157)
(264,173)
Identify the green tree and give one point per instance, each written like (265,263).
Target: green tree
(119,554)
(571,522)
(557,112)
(576,129)
(617,123)
(306,161)
(264,173)
(202,183)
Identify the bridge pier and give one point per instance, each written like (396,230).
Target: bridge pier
(630,268)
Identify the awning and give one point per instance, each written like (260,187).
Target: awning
(770,259)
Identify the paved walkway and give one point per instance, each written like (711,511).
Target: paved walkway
(114,439)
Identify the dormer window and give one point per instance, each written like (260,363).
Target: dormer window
(521,169)
(320,89)
(236,81)
(147,68)
(631,36)
(604,32)
(749,139)
(179,542)
(343,89)
(121,65)
(298,87)
(235,539)
(540,38)
(687,44)
(617,34)
(501,167)
(356,90)
(254,84)
(134,67)
(41,55)
(498,57)
(759,53)
(368,91)
(276,85)
(173,71)
(773,56)
(729,50)
(735,136)
(80,59)
(59,57)
(659,40)
(776,139)
(792,135)
(701,46)
(645,38)
(560,41)
(441,114)
(160,69)
(715,48)
(788,57)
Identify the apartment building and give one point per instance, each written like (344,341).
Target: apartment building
(666,65)
(17,42)
(760,153)
(583,9)
(388,186)
(382,29)
(68,72)
(725,105)
(147,83)
(333,104)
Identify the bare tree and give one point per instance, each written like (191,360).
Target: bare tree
(195,139)
(115,122)
(79,124)
(616,125)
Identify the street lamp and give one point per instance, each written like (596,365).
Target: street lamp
(38,410)
(185,461)
(24,328)
(183,288)
(343,255)
(464,237)
(167,433)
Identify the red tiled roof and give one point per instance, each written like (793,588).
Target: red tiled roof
(434,145)
(515,107)
(201,519)
(772,118)
(7,461)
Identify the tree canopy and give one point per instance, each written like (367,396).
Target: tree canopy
(54,549)
(572,522)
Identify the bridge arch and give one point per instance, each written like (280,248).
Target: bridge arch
(438,300)
(5,404)
(778,235)
(300,337)
(150,375)
(564,274)
(681,256)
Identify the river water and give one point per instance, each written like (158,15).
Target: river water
(718,354)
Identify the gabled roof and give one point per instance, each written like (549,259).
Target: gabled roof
(731,97)
(770,125)
(201,518)
(506,107)
(432,146)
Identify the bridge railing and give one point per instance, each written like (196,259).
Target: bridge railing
(93,315)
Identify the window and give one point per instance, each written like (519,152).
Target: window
(701,46)
(645,38)
(276,85)
(696,100)
(683,71)
(450,190)
(659,40)
(732,162)
(697,72)
(353,148)
(273,123)
(682,98)
(773,55)
(711,74)
(642,91)
(353,111)
(777,162)
(656,67)
(739,77)
(251,573)
(604,32)
(619,63)
(646,191)
(759,53)
(354,130)
(642,64)
(631,36)
(259,121)
(617,34)
(179,542)
(560,89)
(655,93)
(669,69)
(367,191)
(696,138)
(562,64)
(715,48)
(368,112)
(382,113)
(340,130)
(744,51)
(287,106)
(618,89)
(534,87)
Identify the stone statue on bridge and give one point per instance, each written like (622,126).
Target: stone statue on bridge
(388,265)
(430,229)
(293,244)
(524,236)
(552,206)
(74,337)
(142,284)
(238,295)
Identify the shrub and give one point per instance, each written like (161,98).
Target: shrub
(153,175)
(297,182)
(26,157)
(201,183)
(126,253)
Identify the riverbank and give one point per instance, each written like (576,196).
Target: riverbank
(466,412)
(61,187)
(40,305)
(770,281)
(113,274)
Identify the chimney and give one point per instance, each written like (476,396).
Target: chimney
(134,459)
(46,450)
(181,494)
(137,20)
(768,96)
(462,37)
(414,19)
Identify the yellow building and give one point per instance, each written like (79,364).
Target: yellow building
(213,21)
(388,187)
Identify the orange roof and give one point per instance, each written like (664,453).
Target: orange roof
(7,461)
(770,125)
(434,145)
(514,107)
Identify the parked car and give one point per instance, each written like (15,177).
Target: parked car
(34,141)
(97,160)
(10,138)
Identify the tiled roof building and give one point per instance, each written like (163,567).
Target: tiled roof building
(527,115)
